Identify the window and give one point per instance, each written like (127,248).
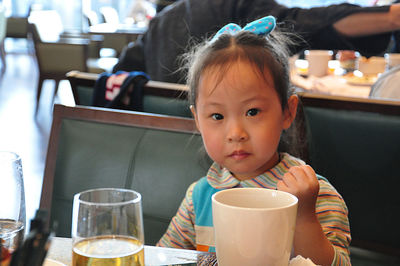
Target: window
(71,10)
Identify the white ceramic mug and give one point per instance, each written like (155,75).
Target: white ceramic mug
(371,66)
(318,62)
(253,226)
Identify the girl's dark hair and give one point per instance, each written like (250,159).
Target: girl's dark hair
(265,53)
(269,53)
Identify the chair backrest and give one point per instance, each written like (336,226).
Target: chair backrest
(17,27)
(33,33)
(110,15)
(158,156)
(49,24)
(91,17)
(355,143)
(158,97)
(57,58)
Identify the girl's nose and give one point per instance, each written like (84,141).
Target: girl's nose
(236,132)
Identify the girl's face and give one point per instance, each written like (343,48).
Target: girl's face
(240,118)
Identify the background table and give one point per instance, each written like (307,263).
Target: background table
(129,32)
(332,85)
(336,83)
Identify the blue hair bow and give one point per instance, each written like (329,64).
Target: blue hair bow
(262,26)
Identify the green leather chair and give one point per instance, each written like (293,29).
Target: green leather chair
(158,156)
(58,52)
(355,143)
(17,27)
(158,97)
(56,58)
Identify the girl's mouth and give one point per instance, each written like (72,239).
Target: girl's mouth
(239,155)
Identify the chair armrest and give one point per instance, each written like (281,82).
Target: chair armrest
(61,57)
(69,41)
(95,41)
(81,35)
(17,27)
(83,76)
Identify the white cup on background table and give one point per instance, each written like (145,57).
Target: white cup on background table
(318,62)
(371,66)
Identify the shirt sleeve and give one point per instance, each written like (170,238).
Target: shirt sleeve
(332,214)
(180,232)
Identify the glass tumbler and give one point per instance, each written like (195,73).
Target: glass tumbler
(107,228)
(12,200)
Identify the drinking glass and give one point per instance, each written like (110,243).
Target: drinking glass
(12,200)
(107,228)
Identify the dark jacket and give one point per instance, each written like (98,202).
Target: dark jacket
(179,25)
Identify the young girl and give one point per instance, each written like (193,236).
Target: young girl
(241,104)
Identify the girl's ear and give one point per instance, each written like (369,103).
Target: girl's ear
(289,113)
(193,110)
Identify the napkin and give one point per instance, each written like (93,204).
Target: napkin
(300,261)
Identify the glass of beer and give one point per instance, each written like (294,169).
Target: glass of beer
(12,200)
(107,228)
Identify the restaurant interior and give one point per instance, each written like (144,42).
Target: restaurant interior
(55,53)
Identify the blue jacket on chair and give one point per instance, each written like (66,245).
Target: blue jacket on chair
(122,90)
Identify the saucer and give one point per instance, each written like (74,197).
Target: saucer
(361,81)
(50,262)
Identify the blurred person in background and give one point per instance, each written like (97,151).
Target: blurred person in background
(160,4)
(186,22)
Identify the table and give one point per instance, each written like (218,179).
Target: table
(116,36)
(61,250)
(104,28)
(129,32)
(334,84)
(330,84)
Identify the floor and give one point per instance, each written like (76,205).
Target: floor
(21,130)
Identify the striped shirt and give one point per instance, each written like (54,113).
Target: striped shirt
(331,209)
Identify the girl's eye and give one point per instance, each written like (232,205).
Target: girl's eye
(252,112)
(217,116)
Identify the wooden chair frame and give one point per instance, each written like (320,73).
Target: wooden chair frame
(383,106)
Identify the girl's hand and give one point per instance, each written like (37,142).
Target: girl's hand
(302,182)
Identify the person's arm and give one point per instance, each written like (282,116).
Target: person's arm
(310,241)
(362,24)
(309,238)
(315,26)
(180,232)
(131,58)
